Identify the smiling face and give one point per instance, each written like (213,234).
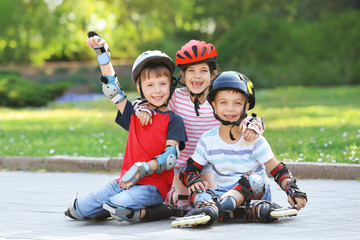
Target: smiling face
(155,87)
(197,77)
(229,105)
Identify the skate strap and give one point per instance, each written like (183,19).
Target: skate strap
(183,197)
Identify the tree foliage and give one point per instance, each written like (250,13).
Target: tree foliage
(275,41)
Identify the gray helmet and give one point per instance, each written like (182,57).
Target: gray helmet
(235,81)
(151,56)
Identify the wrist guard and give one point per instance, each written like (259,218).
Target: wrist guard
(254,123)
(190,173)
(140,105)
(143,168)
(112,89)
(293,191)
(167,159)
(102,52)
(281,172)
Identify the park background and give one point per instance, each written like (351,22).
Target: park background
(303,57)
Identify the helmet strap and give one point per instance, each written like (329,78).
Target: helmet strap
(196,100)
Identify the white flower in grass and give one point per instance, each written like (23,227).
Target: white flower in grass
(330,142)
(22,137)
(333,161)
(325,144)
(300,142)
(45,131)
(359,130)
(101,140)
(344,134)
(72,128)
(11,140)
(321,154)
(319,160)
(358,136)
(52,151)
(21,153)
(322,129)
(104,147)
(301,155)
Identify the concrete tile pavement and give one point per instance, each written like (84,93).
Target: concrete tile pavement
(32,206)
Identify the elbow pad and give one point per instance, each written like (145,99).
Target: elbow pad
(167,159)
(112,89)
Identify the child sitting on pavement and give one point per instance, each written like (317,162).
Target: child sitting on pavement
(239,165)
(151,151)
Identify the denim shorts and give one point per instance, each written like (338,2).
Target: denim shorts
(220,190)
(136,197)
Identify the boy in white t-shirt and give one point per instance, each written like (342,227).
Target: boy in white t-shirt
(239,165)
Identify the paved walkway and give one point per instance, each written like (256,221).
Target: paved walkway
(32,206)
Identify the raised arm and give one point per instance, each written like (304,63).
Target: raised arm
(111,86)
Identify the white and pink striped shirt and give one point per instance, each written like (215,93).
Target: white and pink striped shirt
(195,126)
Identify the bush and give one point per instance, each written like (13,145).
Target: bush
(276,52)
(16,91)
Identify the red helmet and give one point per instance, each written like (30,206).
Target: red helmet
(195,52)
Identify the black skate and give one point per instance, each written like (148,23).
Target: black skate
(265,211)
(206,214)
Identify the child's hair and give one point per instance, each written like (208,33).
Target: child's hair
(159,70)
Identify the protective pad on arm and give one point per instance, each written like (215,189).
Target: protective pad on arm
(112,89)
(190,173)
(143,168)
(167,159)
(281,172)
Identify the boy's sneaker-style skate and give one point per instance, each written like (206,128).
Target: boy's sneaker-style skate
(265,211)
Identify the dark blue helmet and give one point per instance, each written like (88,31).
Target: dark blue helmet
(234,81)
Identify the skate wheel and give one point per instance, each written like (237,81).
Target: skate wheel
(284,213)
(190,220)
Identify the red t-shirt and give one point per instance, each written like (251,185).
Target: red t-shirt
(146,142)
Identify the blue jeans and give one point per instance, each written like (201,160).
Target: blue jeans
(137,197)
(220,190)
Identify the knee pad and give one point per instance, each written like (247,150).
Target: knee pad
(73,211)
(251,184)
(200,196)
(122,213)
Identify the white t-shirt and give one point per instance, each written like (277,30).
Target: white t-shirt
(230,161)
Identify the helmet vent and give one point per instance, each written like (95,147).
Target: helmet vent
(211,48)
(179,56)
(203,51)
(194,48)
(187,54)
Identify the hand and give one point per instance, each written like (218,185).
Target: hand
(300,202)
(198,186)
(94,42)
(127,185)
(250,135)
(144,117)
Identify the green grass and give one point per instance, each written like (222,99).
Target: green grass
(302,124)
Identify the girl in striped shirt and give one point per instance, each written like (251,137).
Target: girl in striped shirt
(197,63)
